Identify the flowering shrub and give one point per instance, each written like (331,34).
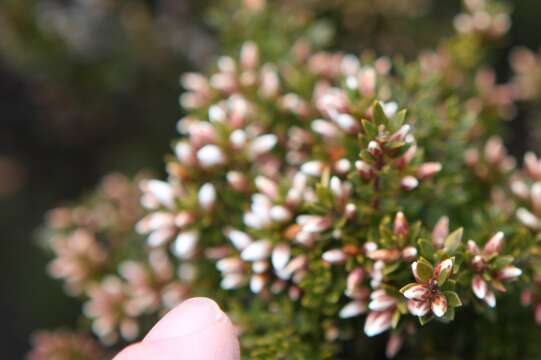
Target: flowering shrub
(309,191)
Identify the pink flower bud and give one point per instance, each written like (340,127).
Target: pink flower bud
(418,307)
(509,272)
(409,183)
(409,253)
(352,309)
(334,256)
(249,55)
(256,251)
(377,322)
(401,227)
(440,232)
(385,255)
(479,286)
(374,149)
(364,169)
(427,170)
(532,166)
(494,245)
(439,305)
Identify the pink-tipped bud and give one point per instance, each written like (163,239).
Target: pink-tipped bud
(479,286)
(364,169)
(509,272)
(237,180)
(334,256)
(409,183)
(210,155)
(409,253)
(280,256)
(494,245)
(427,170)
(267,186)
(401,134)
(312,168)
(535,194)
(352,309)
(375,149)
(249,55)
(494,150)
(440,232)
(401,226)
(520,189)
(532,166)
(439,305)
(206,196)
(354,279)
(385,255)
(528,219)
(377,322)
(350,210)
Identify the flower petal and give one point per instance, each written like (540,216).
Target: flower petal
(439,305)
(479,286)
(418,307)
(417,292)
(377,322)
(352,309)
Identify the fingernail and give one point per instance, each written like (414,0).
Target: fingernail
(192,316)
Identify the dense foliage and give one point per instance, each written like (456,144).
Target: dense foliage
(336,205)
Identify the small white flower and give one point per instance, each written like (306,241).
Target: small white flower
(256,251)
(210,155)
(239,239)
(352,309)
(185,244)
(207,196)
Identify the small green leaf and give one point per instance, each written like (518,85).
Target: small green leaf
(453,241)
(502,261)
(397,120)
(395,319)
(453,300)
(424,270)
(390,268)
(396,148)
(379,115)
(425,248)
(449,314)
(449,285)
(443,276)
(370,129)
(425,319)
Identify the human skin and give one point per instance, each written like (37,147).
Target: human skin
(197,329)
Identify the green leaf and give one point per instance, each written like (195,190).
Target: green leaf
(453,300)
(425,319)
(379,115)
(395,319)
(396,148)
(502,261)
(370,129)
(443,276)
(390,268)
(397,120)
(449,314)
(449,285)
(453,241)
(425,248)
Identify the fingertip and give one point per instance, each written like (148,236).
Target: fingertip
(197,329)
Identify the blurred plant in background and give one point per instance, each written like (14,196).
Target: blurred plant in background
(340,159)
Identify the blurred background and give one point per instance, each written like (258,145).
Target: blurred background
(88,87)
